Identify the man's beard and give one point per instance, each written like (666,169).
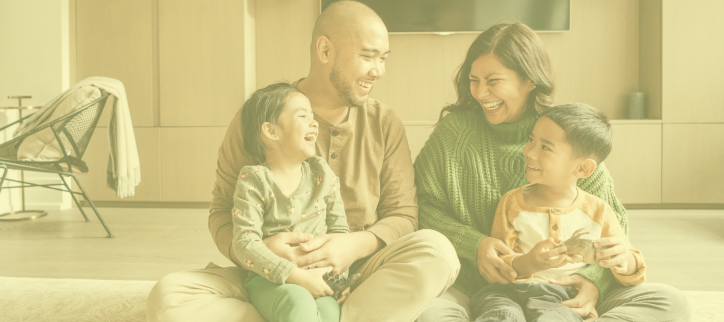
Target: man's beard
(344,90)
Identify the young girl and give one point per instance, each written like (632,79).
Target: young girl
(291,191)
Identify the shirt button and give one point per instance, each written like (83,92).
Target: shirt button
(335,133)
(555,226)
(334,155)
(554,210)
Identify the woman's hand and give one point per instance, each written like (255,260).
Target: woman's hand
(615,254)
(489,262)
(584,304)
(311,280)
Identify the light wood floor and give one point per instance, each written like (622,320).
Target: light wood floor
(683,248)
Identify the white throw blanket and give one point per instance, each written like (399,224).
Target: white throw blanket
(124,168)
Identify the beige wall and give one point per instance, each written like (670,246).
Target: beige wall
(189,65)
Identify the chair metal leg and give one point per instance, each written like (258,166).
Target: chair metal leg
(5,173)
(74,199)
(110,235)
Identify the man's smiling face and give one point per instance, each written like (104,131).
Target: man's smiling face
(360,62)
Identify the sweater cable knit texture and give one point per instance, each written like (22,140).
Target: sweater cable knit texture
(464,169)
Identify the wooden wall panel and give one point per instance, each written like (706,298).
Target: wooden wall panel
(283,36)
(94,182)
(692,163)
(201,56)
(650,56)
(693,67)
(113,39)
(635,163)
(595,63)
(188,162)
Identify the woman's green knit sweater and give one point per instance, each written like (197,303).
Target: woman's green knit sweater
(465,168)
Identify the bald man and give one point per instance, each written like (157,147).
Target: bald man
(364,142)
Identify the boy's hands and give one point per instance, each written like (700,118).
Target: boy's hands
(543,256)
(614,253)
(311,280)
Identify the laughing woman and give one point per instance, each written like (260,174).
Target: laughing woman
(475,155)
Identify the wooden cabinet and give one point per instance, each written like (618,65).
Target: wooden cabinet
(635,161)
(114,39)
(201,55)
(188,162)
(693,156)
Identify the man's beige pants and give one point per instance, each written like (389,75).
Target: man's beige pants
(397,283)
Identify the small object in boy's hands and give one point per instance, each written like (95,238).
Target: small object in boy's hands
(579,249)
(339,283)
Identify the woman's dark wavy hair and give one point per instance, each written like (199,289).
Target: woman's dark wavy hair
(519,49)
(265,105)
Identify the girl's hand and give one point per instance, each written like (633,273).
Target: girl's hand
(614,253)
(311,280)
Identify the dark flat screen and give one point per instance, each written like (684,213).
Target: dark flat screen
(468,15)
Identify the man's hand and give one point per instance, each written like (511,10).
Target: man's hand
(311,280)
(280,244)
(343,296)
(615,254)
(543,256)
(489,262)
(338,250)
(584,304)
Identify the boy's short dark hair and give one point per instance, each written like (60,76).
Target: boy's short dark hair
(265,105)
(587,129)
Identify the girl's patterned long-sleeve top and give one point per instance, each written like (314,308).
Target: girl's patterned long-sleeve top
(261,210)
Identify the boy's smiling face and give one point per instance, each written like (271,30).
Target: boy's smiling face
(549,158)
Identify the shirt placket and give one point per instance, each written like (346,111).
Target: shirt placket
(334,157)
(554,220)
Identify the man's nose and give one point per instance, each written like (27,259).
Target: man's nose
(377,70)
(314,123)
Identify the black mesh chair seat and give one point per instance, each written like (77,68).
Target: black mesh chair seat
(72,132)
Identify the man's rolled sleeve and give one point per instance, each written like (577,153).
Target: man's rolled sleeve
(397,208)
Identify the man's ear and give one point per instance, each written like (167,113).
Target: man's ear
(586,168)
(267,131)
(323,47)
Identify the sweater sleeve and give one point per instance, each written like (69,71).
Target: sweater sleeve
(432,175)
(600,184)
(248,218)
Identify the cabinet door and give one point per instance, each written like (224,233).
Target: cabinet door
(692,166)
(635,163)
(188,162)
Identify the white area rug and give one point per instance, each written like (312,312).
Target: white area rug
(47,299)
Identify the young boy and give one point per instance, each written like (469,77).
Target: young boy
(567,143)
